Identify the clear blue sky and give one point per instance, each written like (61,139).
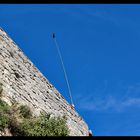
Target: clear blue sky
(100,45)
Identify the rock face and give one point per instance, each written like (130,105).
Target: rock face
(5,132)
(25,84)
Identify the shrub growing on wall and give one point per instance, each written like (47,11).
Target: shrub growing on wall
(22,123)
(42,126)
(4,117)
(25,111)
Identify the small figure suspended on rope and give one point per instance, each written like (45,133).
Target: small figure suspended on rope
(63,67)
(53,35)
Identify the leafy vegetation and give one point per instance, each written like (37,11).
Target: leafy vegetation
(4,119)
(41,126)
(21,122)
(25,111)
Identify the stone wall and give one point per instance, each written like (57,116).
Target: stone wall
(25,84)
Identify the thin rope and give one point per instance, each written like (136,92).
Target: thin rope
(63,67)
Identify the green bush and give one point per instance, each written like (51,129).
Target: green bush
(25,111)
(21,122)
(4,107)
(42,126)
(4,117)
(15,127)
(4,121)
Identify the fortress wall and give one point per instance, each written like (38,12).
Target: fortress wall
(24,83)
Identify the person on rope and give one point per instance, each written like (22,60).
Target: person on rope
(63,67)
(53,35)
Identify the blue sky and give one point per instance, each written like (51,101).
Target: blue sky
(100,45)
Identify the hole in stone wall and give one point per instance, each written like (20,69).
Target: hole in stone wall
(17,75)
(11,53)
